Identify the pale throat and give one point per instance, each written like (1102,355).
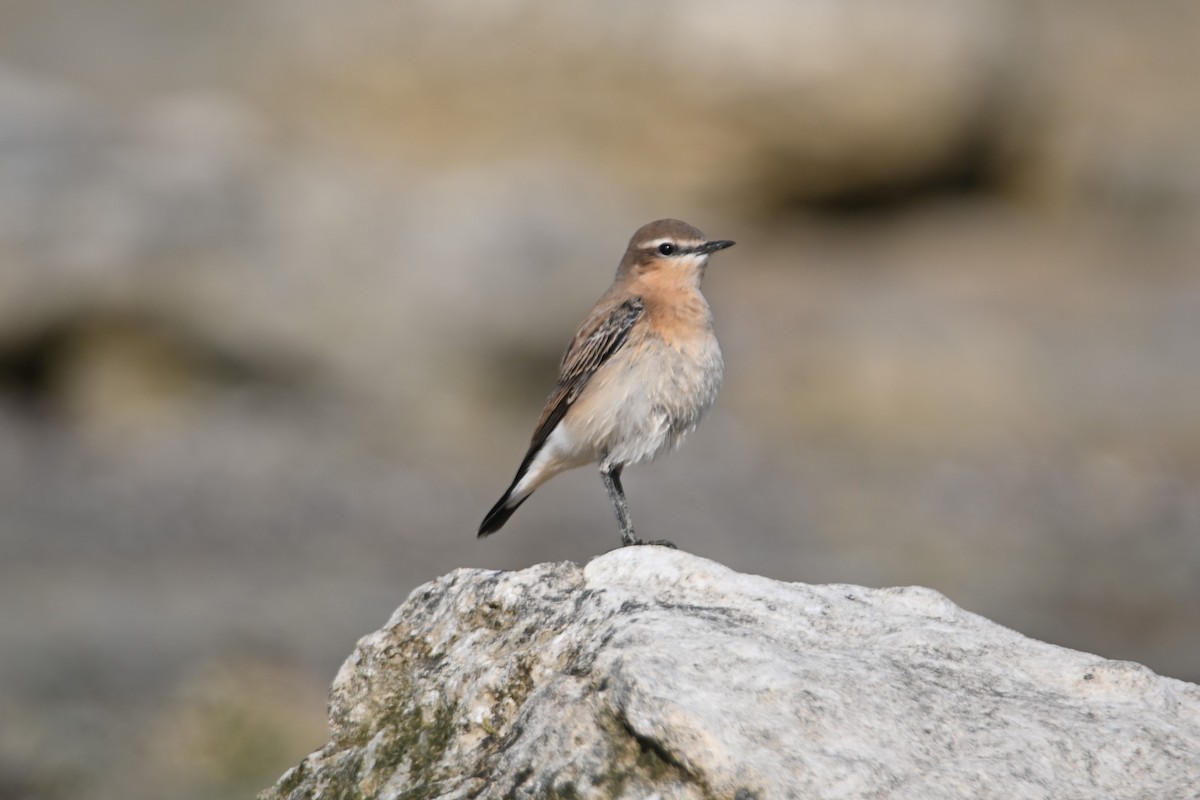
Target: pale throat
(682,275)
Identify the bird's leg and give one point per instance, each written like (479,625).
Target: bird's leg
(611,475)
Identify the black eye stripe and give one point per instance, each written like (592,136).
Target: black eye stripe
(672,248)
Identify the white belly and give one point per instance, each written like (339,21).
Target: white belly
(644,401)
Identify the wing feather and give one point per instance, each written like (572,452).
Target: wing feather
(597,340)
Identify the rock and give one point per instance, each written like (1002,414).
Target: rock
(651,672)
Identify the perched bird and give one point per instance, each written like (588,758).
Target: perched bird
(640,373)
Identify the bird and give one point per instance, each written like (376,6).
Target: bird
(640,373)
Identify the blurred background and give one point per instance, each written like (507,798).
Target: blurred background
(283,286)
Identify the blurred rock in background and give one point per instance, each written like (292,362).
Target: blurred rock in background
(283,285)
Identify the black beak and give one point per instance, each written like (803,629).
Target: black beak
(712,247)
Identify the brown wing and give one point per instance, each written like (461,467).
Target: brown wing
(597,340)
(600,336)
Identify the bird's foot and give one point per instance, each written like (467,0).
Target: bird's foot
(633,541)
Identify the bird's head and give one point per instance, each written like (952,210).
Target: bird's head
(668,244)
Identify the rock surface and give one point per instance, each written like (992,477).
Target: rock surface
(651,672)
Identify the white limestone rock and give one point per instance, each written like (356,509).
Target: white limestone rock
(652,672)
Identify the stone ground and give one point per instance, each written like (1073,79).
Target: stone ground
(650,672)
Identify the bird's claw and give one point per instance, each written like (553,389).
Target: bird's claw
(634,542)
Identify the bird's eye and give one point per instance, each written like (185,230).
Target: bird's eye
(666,248)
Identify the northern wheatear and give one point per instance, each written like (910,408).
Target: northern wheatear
(640,373)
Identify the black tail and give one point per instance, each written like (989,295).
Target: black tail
(499,514)
(505,506)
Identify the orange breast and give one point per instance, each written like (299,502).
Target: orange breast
(675,310)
